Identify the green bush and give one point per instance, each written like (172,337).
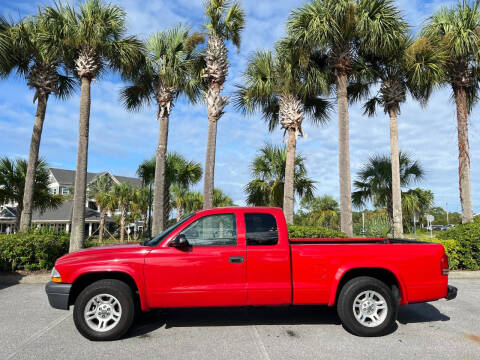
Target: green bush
(467,244)
(314,232)
(34,250)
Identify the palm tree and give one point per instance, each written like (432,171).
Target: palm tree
(172,69)
(220,199)
(146,171)
(99,191)
(12,184)
(319,211)
(268,169)
(6,48)
(226,21)
(284,86)
(182,173)
(455,31)
(374,180)
(345,30)
(34,55)
(187,201)
(140,205)
(411,67)
(93,41)
(122,194)
(193,201)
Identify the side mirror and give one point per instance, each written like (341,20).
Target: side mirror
(180,242)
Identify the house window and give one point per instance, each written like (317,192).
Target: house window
(65,191)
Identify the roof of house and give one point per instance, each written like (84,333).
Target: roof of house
(67,177)
(64,213)
(8,212)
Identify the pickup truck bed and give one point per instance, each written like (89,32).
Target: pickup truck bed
(244,257)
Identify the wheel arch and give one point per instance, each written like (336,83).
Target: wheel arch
(87,278)
(386,275)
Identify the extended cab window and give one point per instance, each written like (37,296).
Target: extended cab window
(261,229)
(212,230)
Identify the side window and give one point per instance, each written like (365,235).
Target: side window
(212,230)
(261,229)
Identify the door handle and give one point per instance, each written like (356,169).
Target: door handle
(235,259)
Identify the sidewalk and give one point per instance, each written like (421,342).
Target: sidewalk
(42,277)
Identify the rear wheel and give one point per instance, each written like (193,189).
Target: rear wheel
(104,310)
(367,307)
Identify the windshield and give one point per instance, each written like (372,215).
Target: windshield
(160,237)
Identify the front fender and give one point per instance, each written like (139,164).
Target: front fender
(123,269)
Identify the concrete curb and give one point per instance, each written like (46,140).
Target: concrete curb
(16,278)
(43,278)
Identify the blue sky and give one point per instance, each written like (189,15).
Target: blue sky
(120,140)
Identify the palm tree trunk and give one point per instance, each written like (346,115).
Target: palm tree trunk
(344,155)
(26,216)
(160,165)
(179,210)
(396,188)
(79,198)
(210,163)
(122,224)
(288,190)
(166,207)
(102,225)
(463,156)
(18,210)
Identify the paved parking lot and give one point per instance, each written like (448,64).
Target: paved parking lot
(30,329)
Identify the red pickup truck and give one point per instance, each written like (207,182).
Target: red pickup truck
(243,256)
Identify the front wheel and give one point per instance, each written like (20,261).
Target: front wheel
(104,310)
(367,307)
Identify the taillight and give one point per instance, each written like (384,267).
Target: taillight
(444,265)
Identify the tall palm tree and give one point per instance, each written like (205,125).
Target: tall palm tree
(12,184)
(146,171)
(123,195)
(374,180)
(284,86)
(172,69)
(456,32)
(34,55)
(94,41)
(99,191)
(345,30)
(225,21)
(268,169)
(410,68)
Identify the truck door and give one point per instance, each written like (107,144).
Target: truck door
(268,260)
(211,272)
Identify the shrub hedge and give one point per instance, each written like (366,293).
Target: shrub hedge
(463,244)
(299,232)
(34,250)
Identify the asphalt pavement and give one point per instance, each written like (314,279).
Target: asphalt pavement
(31,329)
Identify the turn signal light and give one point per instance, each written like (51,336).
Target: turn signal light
(56,276)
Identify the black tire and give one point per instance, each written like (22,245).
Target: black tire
(345,310)
(122,292)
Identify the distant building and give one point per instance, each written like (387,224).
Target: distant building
(62,182)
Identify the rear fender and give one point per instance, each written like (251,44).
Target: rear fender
(342,271)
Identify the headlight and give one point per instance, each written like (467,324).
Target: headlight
(56,276)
